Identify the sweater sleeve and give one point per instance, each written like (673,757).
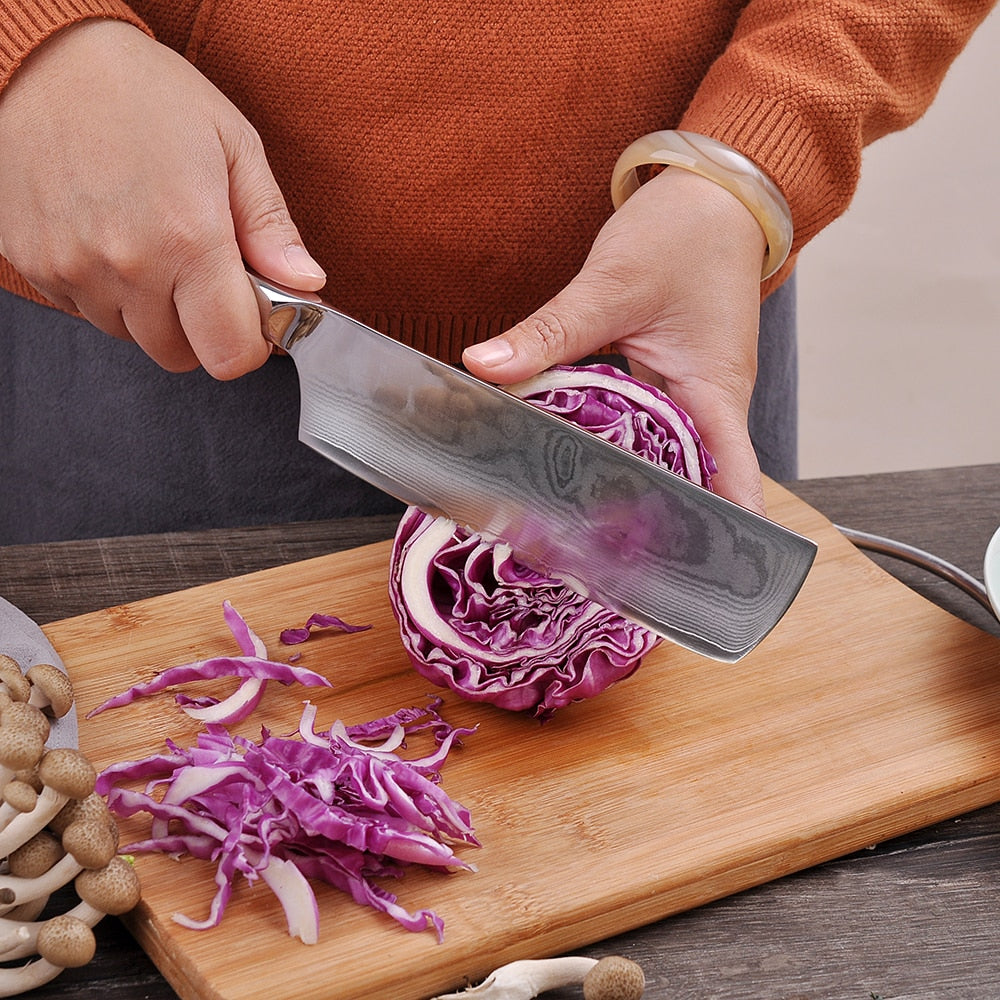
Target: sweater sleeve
(803,87)
(25,24)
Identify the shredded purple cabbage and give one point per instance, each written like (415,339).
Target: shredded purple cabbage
(474,619)
(213,669)
(292,636)
(329,808)
(253,668)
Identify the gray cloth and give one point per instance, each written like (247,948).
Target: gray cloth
(774,408)
(22,640)
(96,440)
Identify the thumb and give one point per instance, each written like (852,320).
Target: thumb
(267,237)
(571,326)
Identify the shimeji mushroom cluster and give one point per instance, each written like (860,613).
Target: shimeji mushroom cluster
(610,978)
(54,829)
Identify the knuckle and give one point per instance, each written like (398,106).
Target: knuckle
(192,247)
(264,207)
(247,140)
(124,261)
(55,272)
(188,235)
(267,213)
(548,332)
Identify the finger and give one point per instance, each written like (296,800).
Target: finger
(154,325)
(46,281)
(723,428)
(570,326)
(266,235)
(220,317)
(147,321)
(59,299)
(739,477)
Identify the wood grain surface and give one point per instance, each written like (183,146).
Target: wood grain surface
(867,713)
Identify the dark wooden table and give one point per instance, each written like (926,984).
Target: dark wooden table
(916,918)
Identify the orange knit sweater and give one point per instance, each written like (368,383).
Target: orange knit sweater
(448,163)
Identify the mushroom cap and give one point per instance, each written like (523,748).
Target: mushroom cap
(66,942)
(91,843)
(29,775)
(20,748)
(35,856)
(22,715)
(68,772)
(54,685)
(113,889)
(614,978)
(16,683)
(20,795)
(91,807)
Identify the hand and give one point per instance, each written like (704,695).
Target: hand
(131,189)
(673,282)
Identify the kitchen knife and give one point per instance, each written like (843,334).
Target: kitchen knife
(642,541)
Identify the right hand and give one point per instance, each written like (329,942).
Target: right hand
(131,191)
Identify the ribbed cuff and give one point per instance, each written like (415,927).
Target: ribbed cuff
(25,25)
(783,145)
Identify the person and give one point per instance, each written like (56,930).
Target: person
(440,171)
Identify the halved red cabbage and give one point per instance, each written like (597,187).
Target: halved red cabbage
(474,619)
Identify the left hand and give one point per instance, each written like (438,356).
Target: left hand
(673,283)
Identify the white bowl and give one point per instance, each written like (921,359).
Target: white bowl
(991,571)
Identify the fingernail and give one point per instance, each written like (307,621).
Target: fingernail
(301,263)
(490,353)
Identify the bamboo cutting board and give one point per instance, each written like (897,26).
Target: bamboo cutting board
(867,713)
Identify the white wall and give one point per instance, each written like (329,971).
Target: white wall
(899,300)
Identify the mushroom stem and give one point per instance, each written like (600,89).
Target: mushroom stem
(25,825)
(7,813)
(65,774)
(15,935)
(22,890)
(19,938)
(26,911)
(27,977)
(63,941)
(610,978)
(51,689)
(526,978)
